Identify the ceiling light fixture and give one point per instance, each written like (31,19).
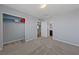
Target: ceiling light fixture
(43,6)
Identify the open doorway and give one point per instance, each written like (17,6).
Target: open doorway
(13,29)
(39,29)
(51,33)
(50,30)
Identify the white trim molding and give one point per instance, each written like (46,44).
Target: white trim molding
(67,42)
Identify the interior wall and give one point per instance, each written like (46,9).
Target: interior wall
(31,28)
(1,32)
(66,27)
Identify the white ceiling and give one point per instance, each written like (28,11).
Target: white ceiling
(49,11)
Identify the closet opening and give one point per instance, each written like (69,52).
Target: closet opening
(13,29)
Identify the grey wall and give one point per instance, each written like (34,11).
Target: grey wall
(66,27)
(31,28)
(1,32)
(30,25)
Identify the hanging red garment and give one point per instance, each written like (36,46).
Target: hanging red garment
(23,20)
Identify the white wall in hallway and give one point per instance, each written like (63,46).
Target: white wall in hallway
(66,27)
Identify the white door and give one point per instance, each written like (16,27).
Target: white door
(44,29)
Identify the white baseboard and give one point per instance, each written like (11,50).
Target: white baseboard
(29,40)
(68,42)
(12,41)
